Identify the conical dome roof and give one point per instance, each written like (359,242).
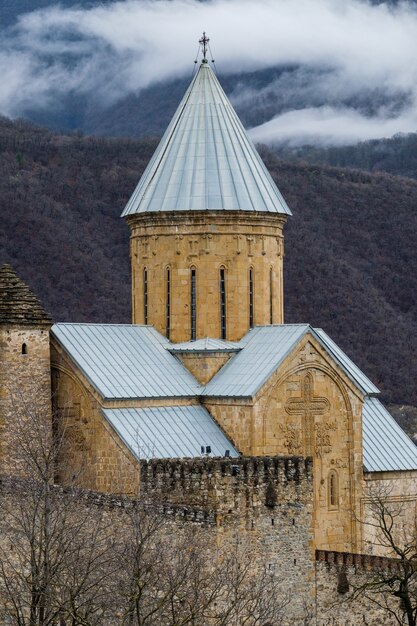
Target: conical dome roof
(205,160)
(18,304)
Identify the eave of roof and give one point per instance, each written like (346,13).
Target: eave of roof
(169,431)
(126,361)
(264,349)
(204,345)
(386,447)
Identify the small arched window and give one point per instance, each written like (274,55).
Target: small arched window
(271,296)
(24,348)
(168,302)
(145,295)
(251,297)
(333,490)
(193,303)
(222,289)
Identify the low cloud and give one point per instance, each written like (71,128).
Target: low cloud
(353,64)
(330,126)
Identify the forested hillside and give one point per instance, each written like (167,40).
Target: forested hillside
(350,263)
(397,155)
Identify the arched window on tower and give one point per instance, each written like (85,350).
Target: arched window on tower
(222,289)
(145,295)
(271,296)
(24,348)
(333,490)
(251,297)
(193,303)
(168,302)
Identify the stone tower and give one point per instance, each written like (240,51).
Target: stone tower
(25,380)
(206,223)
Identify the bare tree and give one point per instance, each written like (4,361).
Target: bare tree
(55,547)
(174,574)
(392,582)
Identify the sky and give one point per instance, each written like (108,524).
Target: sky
(352,64)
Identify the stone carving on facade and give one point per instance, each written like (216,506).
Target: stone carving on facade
(291,438)
(238,241)
(308,407)
(178,240)
(145,247)
(323,440)
(280,246)
(251,241)
(263,240)
(154,240)
(207,238)
(193,247)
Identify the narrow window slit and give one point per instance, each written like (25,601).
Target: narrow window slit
(193,302)
(251,297)
(222,303)
(145,296)
(168,305)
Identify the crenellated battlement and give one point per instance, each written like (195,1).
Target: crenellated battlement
(281,468)
(225,484)
(15,485)
(352,559)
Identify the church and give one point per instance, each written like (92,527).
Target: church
(208,369)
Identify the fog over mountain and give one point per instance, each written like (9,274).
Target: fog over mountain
(311,71)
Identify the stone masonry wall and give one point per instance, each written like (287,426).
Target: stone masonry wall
(25,383)
(265,501)
(398,490)
(338,575)
(207,241)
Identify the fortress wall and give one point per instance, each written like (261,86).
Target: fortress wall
(338,576)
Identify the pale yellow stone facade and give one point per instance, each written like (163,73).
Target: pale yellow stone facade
(204,366)
(398,492)
(25,384)
(308,407)
(207,242)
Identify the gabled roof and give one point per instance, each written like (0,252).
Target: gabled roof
(169,431)
(264,349)
(205,345)
(18,304)
(205,160)
(125,361)
(386,447)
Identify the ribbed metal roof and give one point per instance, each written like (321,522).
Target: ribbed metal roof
(386,447)
(264,349)
(205,345)
(126,361)
(205,160)
(169,432)
(346,363)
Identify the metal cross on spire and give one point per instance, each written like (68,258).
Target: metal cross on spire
(204,44)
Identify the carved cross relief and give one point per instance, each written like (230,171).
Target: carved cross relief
(250,241)
(178,239)
(238,240)
(193,247)
(207,238)
(145,243)
(279,246)
(308,406)
(154,240)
